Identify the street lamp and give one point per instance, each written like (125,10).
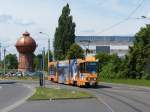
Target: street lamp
(4,48)
(48,37)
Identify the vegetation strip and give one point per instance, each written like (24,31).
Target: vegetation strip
(135,82)
(59,94)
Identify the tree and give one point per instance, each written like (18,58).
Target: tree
(64,35)
(11,61)
(46,60)
(109,65)
(75,51)
(38,62)
(139,55)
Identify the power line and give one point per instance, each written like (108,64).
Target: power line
(124,20)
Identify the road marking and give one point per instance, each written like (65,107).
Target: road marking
(0,87)
(102,101)
(11,107)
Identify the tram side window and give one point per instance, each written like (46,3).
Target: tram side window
(82,68)
(51,70)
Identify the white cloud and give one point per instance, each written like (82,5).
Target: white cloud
(6,18)
(23,22)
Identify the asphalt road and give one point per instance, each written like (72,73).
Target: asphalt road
(123,98)
(11,92)
(110,98)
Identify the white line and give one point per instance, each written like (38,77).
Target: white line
(102,101)
(0,87)
(11,107)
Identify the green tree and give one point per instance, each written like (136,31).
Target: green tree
(46,60)
(11,61)
(64,35)
(109,65)
(38,62)
(75,51)
(139,54)
(103,58)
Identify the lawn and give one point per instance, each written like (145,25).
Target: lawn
(128,81)
(20,78)
(54,94)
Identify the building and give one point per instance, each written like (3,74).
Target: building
(26,46)
(108,44)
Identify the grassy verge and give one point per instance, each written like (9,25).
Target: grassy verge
(128,81)
(55,94)
(20,78)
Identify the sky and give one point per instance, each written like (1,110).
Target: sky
(91,18)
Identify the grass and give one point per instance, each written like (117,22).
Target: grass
(20,78)
(136,82)
(53,93)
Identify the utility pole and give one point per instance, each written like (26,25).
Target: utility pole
(43,55)
(4,61)
(88,45)
(48,37)
(48,53)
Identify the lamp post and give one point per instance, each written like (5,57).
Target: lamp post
(4,48)
(4,61)
(48,37)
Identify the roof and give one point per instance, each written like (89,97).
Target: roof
(104,38)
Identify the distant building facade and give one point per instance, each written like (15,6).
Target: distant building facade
(108,44)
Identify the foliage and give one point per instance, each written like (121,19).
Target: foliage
(139,55)
(46,60)
(75,51)
(135,65)
(38,61)
(64,35)
(11,61)
(109,65)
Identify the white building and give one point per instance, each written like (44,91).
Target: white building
(109,44)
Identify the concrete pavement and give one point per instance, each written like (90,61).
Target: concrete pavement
(110,98)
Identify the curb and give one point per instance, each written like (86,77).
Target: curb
(11,107)
(52,99)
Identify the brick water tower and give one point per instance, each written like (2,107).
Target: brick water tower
(26,46)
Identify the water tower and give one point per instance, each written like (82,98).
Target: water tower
(26,46)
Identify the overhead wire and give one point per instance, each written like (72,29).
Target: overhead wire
(124,20)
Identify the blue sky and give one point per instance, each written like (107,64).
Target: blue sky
(90,16)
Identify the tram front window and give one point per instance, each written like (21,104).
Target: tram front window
(88,67)
(91,67)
